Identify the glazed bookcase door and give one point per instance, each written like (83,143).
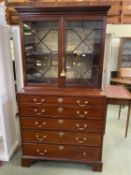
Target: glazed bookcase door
(83,52)
(41,52)
(63,52)
(125,53)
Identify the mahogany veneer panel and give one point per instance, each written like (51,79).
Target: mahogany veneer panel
(62,137)
(77,110)
(62,152)
(59,111)
(81,135)
(62,124)
(46,99)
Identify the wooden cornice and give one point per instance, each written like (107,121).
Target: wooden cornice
(33,7)
(50,8)
(119,13)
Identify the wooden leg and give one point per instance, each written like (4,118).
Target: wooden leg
(1,163)
(97,166)
(127,121)
(119,112)
(26,162)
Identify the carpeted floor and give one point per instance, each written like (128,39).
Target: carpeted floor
(116,154)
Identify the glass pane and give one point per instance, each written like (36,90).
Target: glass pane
(41,52)
(126,53)
(83,41)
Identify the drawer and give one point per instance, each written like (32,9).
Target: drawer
(62,152)
(42,100)
(86,112)
(62,124)
(62,137)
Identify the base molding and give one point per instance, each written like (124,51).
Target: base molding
(96,165)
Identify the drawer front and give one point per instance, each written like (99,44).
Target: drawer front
(62,152)
(86,112)
(62,124)
(43,100)
(62,137)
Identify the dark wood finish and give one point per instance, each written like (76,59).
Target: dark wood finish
(42,129)
(62,137)
(97,166)
(62,92)
(26,162)
(62,152)
(62,122)
(39,100)
(63,13)
(61,111)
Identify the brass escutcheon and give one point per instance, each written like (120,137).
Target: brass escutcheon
(61,133)
(60,121)
(60,109)
(60,99)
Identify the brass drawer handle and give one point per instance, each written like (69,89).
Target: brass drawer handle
(41,153)
(61,134)
(82,115)
(81,140)
(41,138)
(60,99)
(82,104)
(38,102)
(39,113)
(40,125)
(81,128)
(84,153)
(60,109)
(61,147)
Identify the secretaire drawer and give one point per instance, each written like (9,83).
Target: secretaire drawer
(62,124)
(62,152)
(86,112)
(42,100)
(62,137)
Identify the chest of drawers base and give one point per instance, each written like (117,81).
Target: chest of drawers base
(62,127)
(27,161)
